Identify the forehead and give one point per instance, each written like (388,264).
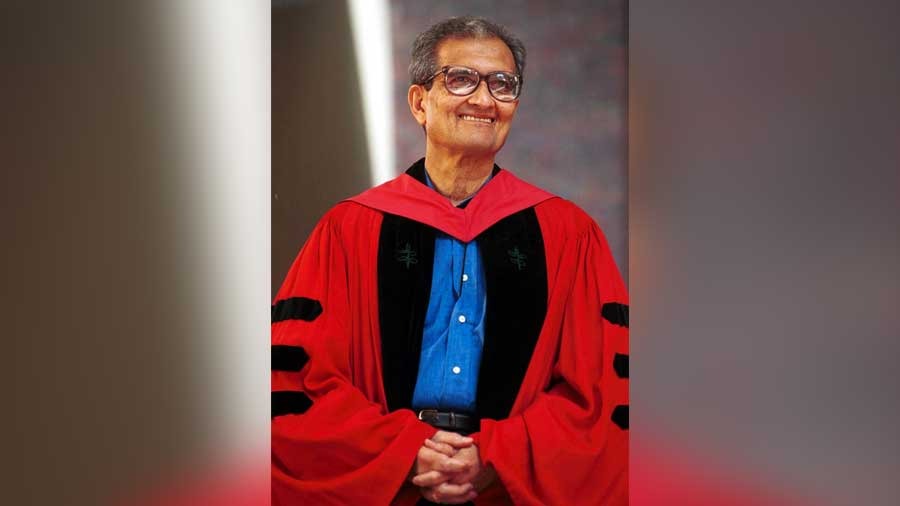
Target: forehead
(483,55)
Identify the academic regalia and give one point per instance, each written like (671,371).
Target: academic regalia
(347,332)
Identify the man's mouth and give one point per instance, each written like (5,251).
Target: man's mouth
(468,117)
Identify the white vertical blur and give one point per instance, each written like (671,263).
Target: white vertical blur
(217,64)
(370,20)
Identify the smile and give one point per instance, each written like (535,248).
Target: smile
(474,118)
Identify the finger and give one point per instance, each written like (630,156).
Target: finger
(441,462)
(449,489)
(454,494)
(429,479)
(436,496)
(450,465)
(429,494)
(429,455)
(452,438)
(440,447)
(461,478)
(455,500)
(440,499)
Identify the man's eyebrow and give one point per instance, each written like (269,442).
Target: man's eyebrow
(473,68)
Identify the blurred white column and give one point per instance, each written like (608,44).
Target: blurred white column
(371,24)
(218,74)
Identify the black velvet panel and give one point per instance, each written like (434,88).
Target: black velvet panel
(615,313)
(289,403)
(405,263)
(296,308)
(620,416)
(620,364)
(288,358)
(417,171)
(515,268)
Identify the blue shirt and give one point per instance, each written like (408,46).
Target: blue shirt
(454,327)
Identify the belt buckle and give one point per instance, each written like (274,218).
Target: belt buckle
(425,412)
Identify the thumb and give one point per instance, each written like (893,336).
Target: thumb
(453,439)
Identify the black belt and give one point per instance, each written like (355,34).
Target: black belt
(450,421)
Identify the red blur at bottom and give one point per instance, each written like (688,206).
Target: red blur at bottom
(663,475)
(231,486)
(660,475)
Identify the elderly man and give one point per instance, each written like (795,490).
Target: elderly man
(455,334)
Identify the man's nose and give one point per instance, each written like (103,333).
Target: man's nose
(481,96)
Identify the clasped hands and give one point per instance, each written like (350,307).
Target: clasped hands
(448,469)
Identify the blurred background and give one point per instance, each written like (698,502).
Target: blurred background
(142,142)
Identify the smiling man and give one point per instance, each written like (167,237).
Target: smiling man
(455,335)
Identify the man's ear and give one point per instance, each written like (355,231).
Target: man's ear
(416,98)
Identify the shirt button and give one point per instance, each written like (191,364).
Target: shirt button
(465,277)
(462,319)
(456,369)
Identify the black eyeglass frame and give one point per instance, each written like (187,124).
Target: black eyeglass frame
(481,77)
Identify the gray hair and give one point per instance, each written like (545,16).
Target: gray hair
(424,49)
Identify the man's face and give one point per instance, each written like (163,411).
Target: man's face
(458,124)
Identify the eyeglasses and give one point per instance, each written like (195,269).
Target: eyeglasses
(462,81)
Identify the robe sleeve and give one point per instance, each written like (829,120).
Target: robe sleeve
(570,445)
(331,443)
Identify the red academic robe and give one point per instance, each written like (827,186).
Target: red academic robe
(346,335)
